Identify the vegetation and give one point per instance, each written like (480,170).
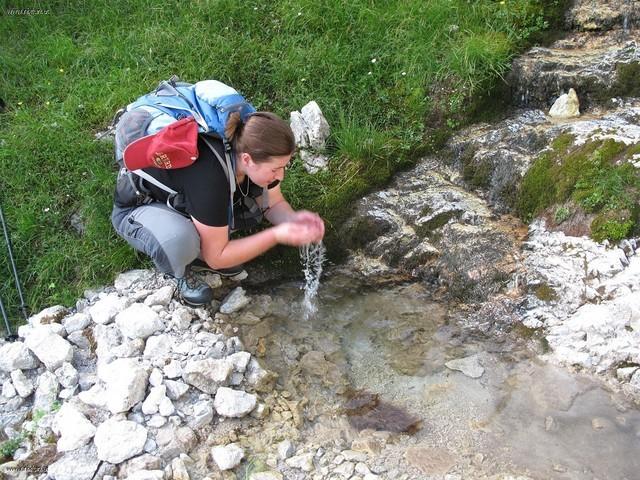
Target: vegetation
(377,69)
(595,177)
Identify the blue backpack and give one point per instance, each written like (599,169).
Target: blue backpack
(209,102)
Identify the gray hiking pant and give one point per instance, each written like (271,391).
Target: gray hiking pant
(170,239)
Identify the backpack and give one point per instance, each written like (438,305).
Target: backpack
(209,103)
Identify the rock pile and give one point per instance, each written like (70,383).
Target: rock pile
(124,383)
(586,297)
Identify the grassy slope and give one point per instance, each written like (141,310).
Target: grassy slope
(371,66)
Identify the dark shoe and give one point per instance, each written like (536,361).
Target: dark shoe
(198,266)
(193,291)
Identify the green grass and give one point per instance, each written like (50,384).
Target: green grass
(373,67)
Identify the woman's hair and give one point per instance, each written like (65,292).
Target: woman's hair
(263,135)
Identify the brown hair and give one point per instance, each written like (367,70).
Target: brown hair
(263,135)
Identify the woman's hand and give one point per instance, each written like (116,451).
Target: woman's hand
(311,219)
(297,234)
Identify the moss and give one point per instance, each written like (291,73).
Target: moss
(561,143)
(477,173)
(537,189)
(545,293)
(626,83)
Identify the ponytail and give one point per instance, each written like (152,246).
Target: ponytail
(262,136)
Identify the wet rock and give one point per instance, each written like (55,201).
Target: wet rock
(73,427)
(566,106)
(16,356)
(227,457)
(51,349)
(233,403)
(126,382)
(430,461)
(139,321)
(235,301)
(80,464)
(601,16)
(119,440)
(470,366)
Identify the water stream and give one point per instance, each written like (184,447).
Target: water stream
(521,416)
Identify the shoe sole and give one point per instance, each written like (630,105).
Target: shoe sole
(222,274)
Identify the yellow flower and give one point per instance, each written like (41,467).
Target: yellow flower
(47,103)
(19,103)
(61,70)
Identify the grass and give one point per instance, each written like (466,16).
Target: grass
(375,68)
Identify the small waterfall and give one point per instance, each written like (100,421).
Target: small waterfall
(312,257)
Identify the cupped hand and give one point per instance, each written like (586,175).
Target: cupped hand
(312,219)
(296,233)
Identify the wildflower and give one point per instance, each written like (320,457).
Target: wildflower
(299,13)
(255,8)
(502,2)
(404,74)
(47,103)
(369,73)
(61,70)
(374,60)
(46,209)
(19,103)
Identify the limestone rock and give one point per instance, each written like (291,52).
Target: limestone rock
(233,403)
(139,321)
(302,462)
(126,382)
(16,356)
(46,392)
(76,322)
(23,385)
(80,464)
(119,440)
(431,461)
(566,106)
(227,457)
(208,374)
(105,309)
(73,427)
(51,349)
(162,297)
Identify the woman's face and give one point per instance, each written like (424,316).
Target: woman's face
(265,173)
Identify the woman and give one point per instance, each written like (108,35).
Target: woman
(194,231)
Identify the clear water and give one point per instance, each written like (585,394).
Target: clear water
(312,257)
(523,416)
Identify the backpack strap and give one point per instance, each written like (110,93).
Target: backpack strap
(227,167)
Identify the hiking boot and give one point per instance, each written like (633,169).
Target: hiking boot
(198,266)
(193,291)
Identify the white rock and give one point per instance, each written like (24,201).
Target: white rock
(51,349)
(150,404)
(48,315)
(175,389)
(165,407)
(270,475)
(16,356)
(105,310)
(126,382)
(46,392)
(21,383)
(156,421)
(202,415)
(162,297)
(76,322)
(173,369)
(313,162)
(208,374)
(233,403)
(119,440)
(181,318)
(67,375)
(8,390)
(155,378)
(179,470)
(80,464)
(127,280)
(139,321)
(227,457)
(158,346)
(235,301)
(345,470)
(566,105)
(310,127)
(302,462)
(73,427)
(96,396)
(240,360)
(285,449)
(470,366)
(147,475)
